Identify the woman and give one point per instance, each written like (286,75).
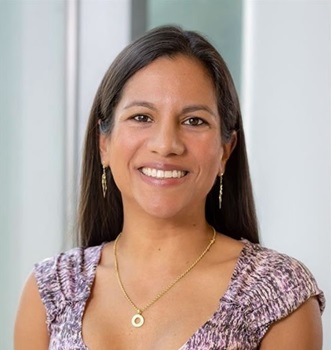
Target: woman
(169,256)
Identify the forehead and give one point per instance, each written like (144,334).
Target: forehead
(180,76)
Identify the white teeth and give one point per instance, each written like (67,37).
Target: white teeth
(161,174)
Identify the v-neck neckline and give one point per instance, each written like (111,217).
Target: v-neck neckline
(223,299)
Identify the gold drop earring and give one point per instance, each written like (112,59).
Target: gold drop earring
(104,181)
(221,191)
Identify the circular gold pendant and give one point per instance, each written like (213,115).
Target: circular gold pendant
(137,320)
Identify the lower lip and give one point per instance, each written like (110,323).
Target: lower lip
(162,182)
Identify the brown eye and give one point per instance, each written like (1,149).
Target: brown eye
(194,121)
(141,118)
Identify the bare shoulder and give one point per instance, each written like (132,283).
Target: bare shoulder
(228,248)
(30,327)
(301,330)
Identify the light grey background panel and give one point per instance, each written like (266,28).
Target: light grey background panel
(32,59)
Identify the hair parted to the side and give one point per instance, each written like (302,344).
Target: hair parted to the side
(101,219)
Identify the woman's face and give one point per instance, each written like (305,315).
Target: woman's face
(165,149)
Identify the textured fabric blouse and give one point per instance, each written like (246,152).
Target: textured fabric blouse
(265,287)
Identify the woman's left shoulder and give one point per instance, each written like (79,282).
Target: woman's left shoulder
(277,277)
(269,286)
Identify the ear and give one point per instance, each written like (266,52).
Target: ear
(227,150)
(104,148)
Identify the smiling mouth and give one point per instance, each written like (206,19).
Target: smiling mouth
(163,174)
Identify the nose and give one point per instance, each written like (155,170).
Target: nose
(166,139)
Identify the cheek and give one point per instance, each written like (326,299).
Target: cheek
(212,165)
(123,145)
(210,153)
(209,164)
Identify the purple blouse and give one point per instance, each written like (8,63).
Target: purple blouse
(265,287)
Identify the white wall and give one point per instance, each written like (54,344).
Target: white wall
(287,101)
(31,153)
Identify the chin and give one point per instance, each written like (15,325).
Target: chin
(163,213)
(167,209)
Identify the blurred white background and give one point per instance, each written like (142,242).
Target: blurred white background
(53,54)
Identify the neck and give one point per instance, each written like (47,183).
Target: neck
(153,239)
(159,244)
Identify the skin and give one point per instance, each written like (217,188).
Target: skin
(167,119)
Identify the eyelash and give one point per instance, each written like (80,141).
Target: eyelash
(141,118)
(191,121)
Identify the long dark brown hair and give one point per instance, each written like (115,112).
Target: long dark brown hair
(101,219)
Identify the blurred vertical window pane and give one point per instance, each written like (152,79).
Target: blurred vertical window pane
(219,20)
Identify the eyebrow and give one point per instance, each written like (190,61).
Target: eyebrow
(141,104)
(187,109)
(194,108)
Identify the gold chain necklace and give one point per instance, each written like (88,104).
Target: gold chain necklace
(138,319)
